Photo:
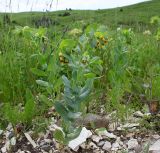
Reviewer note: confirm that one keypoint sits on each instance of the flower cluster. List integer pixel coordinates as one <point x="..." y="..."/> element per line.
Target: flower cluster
<point x="62" y="59"/>
<point x="101" y="42"/>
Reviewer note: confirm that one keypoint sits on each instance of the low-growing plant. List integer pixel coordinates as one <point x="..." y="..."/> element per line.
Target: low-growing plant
<point x="72" y="105"/>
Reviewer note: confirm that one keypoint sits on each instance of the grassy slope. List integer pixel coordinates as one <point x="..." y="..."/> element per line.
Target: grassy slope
<point x="138" y="14"/>
<point x="12" y="62"/>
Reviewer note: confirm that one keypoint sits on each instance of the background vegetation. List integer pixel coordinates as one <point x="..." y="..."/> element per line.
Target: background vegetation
<point x="78" y="62"/>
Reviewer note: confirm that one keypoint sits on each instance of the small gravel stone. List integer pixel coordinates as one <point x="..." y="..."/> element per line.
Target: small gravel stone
<point x="101" y="143"/>
<point x="4" y="149"/>
<point x="13" y="141"/>
<point x="10" y="135"/>
<point x="43" y="143"/>
<point x="96" y="138"/>
<point x="46" y="147"/>
<point x="107" y="146"/>
<point x="48" y="141"/>
<point x="1" y="132"/>
<point x="9" y="127"/>
<point x="115" y="146"/>
<point x="83" y="145"/>
<point x="138" y="114"/>
<point x="132" y="143"/>
<point x="156" y="136"/>
<point x="155" y="148"/>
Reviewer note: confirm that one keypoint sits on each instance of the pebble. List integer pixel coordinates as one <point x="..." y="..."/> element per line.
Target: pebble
<point x="101" y="143"/>
<point x="106" y="134"/>
<point x="46" y="147"/>
<point x="138" y="114"/>
<point x="138" y="149"/>
<point x="9" y="127"/>
<point x="130" y="125"/>
<point x="42" y="143"/>
<point x="4" y="149"/>
<point x="83" y="145"/>
<point x="107" y="146"/>
<point x="132" y="143"/>
<point x="48" y="141"/>
<point x="96" y="138"/>
<point x="10" y="135"/>
<point x="155" y="148"/>
<point x="115" y="146"/>
<point x="13" y="141"/>
<point x="156" y="136"/>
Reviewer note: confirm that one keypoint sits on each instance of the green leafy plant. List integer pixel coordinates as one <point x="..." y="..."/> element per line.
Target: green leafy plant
<point x="70" y="108"/>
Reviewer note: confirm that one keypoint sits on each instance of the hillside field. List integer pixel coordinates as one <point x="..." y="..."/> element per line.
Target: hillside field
<point x="57" y="68"/>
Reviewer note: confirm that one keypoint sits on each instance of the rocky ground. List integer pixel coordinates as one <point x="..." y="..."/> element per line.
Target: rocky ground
<point x="128" y="137"/>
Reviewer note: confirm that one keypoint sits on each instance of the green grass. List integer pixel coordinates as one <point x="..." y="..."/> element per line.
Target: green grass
<point x="134" y="15"/>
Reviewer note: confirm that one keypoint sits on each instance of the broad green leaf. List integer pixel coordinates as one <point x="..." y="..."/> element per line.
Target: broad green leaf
<point x="99" y="130"/>
<point x="59" y="136"/>
<point x="84" y="95"/>
<point x="96" y="60"/>
<point x="45" y="100"/>
<point x="74" y="75"/>
<point x="91" y="29"/>
<point x="90" y="75"/>
<point x="42" y="83"/>
<point x="61" y="109"/>
<point x="88" y="85"/>
<point x="29" y="95"/>
<point x="66" y="81"/>
<point x="67" y="44"/>
<point x="38" y="72"/>
<point x="73" y="135"/>
<point x="72" y="115"/>
<point x="83" y="40"/>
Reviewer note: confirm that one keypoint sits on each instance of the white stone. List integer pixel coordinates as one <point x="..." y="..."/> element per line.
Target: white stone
<point x="119" y="129"/>
<point x="132" y="143"/>
<point x="32" y="142"/>
<point x="138" y="148"/>
<point x="155" y="147"/>
<point x="138" y="114"/>
<point x="114" y="149"/>
<point x="75" y="143"/>
<point x="4" y="149"/>
<point x="96" y="138"/>
<point x="156" y="136"/>
<point x="83" y="145"/>
<point x="48" y="140"/>
<point x="9" y="127"/>
<point x="106" y="133"/>
<point x="130" y="125"/>
<point x="107" y="146"/>
<point x="111" y="127"/>
<point x="121" y="143"/>
<point x="115" y="145"/>
<point x="101" y="143"/>
<point x="54" y="127"/>
<point x="13" y="141"/>
<point x="1" y="132"/>
<point x="118" y="139"/>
